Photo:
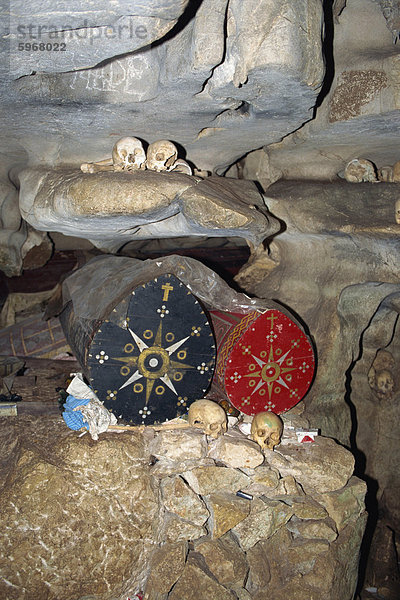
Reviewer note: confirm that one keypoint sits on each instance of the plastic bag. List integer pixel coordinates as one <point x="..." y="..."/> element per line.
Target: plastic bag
<point x="94" y="288"/>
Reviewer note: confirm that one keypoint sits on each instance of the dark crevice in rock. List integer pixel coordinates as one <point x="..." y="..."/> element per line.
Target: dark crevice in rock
<point x="188" y="15"/>
<point x="371" y="506"/>
<point x="327" y="50"/>
<point x="224" y="52"/>
<point x="371" y="501"/>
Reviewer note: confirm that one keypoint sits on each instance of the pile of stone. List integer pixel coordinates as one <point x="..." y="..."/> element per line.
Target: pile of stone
<point x="159" y="513"/>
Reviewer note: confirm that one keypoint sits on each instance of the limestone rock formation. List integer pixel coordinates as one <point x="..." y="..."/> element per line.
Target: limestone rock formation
<point x="232" y="452"/>
<point x="85" y="519"/>
<point x="87" y="37"/>
<point x="358" y="112"/>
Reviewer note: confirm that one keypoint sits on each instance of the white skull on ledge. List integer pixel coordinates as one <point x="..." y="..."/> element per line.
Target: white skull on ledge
<point x="266" y="430"/>
<point x="161" y="155"/>
<point x="208" y="416"/>
<point x="128" y="154"/>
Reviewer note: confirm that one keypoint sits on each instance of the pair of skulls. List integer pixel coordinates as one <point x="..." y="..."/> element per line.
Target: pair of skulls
<point x="361" y="170"/>
<point x="128" y="155"/>
<point x="211" y="418"/>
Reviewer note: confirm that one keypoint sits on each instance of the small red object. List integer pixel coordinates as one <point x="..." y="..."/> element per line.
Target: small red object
<point x="264" y="360"/>
<point x="307" y="438"/>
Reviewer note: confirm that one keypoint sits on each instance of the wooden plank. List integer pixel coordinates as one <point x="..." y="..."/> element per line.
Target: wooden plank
<point x="38" y="408"/>
<point x="42" y="377"/>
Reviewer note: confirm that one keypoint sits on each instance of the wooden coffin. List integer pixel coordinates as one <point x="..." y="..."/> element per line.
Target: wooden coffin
<point x="264" y="360"/>
<point x="151" y="356"/>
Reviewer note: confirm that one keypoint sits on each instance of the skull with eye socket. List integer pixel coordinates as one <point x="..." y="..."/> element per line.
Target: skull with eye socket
<point x="209" y="417"/>
<point x="128" y="154"/>
<point x="161" y="156"/>
<point x="266" y="430"/>
<point x="384" y="384"/>
<point x="381" y="375"/>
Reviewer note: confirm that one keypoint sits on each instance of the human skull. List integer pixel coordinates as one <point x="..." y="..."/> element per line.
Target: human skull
<point x="161" y="155"/>
<point x="384" y="384"/>
<point x="209" y="417"/>
<point x="360" y="170"/>
<point x="128" y="154"/>
<point x="397" y="212"/>
<point x="266" y="430"/>
<point x="386" y="174"/>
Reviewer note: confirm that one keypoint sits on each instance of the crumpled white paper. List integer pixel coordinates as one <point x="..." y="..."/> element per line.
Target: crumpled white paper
<point x="94" y="413"/>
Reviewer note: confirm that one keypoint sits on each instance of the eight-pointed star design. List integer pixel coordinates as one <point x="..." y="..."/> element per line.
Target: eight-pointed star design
<point x="270" y="372"/>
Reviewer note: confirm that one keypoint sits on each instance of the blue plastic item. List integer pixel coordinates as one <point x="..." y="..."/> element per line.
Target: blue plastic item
<point x="74" y="419"/>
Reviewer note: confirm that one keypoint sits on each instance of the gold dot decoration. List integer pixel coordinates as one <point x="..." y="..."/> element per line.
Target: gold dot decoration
<point x="138" y="388"/>
<point x="148" y="334"/>
<point x="169" y="337"/>
<point x="124" y="370"/>
<point x="252" y="382"/>
<point x="181" y="354"/>
<point x="252" y="367"/>
<point x="129" y="348"/>
<point x="160" y="389"/>
<point x="178" y="376"/>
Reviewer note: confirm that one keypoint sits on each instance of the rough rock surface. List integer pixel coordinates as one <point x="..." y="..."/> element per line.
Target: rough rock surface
<point x="345" y="503"/>
<point x="226" y="561"/>
<point x="70" y="506"/>
<point x="166" y="566"/>
<point x="322" y="466"/>
<point x="179" y="498"/>
<point x="212" y="85"/>
<point x="206" y="480"/>
<point x="265" y="518"/>
<point x="232" y="452"/>
<point x="73" y="507"/>
<point x="226" y="511"/>
<point x="359" y="116"/>
<point x="196" y="584"/>
<point x="178" y="445"/>
<point x="176" y="529"/>
<point x="90" y="36"/>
